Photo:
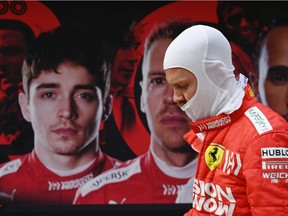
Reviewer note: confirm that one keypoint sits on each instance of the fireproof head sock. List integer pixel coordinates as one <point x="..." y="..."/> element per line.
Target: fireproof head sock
<point x="205" y="52"/>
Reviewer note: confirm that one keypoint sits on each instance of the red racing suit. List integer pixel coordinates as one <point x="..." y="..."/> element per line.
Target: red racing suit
<point x="243" y="162"/>
<point x="137" y="181"/>
<point x="28" y="181"/>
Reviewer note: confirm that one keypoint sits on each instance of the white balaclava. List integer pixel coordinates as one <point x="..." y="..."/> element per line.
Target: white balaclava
<point x="205" y="52"/>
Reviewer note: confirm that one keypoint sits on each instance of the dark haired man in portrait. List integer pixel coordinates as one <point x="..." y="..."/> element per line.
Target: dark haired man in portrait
<point x="66" y="83"/>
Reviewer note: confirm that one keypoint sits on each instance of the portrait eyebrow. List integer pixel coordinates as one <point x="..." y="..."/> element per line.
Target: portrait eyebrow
<point x="279" y="69"/>
<point x="47" y="85"/>
<point x="278" y="72"/>
<point x="86" y="87"/>
<point x="157" y="73"/>
<point x="56" y="85"/>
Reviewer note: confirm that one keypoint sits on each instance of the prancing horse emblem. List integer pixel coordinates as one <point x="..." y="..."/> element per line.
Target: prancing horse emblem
<point x="213" y="155"/>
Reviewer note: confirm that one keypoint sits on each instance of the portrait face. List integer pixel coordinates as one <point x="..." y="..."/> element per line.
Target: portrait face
<point x="65" y="109"/>
<point x="273" y="71"/>
<point x="123" y="67"/>
<point x="241" y="20"/>
<point x="167" y="122"/>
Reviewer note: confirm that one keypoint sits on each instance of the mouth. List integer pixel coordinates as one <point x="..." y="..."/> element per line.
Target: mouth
<point x="65" y="131"/>
<point x="175" y="121"/>
<point x="246" y="30"/>
<point x="126" y="70"/>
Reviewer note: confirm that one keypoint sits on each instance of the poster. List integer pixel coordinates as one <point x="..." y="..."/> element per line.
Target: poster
<point x="108" y="18"/>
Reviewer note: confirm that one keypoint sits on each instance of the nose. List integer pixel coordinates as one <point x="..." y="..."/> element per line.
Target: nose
<point x="178" y="98"/>
<point x="132" y="55"/>
<point x="244" y="22"/>
<point x="168" y="95"/>
<point x="67" y="109"/>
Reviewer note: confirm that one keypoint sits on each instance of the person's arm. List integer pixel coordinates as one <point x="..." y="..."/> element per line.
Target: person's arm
<point x="265" y="169"/>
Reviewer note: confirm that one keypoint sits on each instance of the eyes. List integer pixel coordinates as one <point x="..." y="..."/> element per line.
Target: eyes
<point x="235" y="19"/>
<point x="47" y="95"/>
<point x="156" y="81"/>
<point x="87" y="96"/>
<point x="161" y="81"/>
<point x="278" y="75"/>
<point x="78" y="96"/>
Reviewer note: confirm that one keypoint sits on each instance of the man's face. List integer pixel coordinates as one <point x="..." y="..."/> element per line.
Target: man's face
<point x="273" y="71"/>
<point x="12" y="53"/>
<point x="167" y="122"/>
<point x="65" y="109"/>
<point x="184" y="84"/>
<point x="123" y="67"/>
<point x="238" y="19"/>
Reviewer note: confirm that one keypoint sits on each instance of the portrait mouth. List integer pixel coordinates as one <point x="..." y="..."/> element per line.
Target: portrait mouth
<point x="127" y="71"/>
<point x="66" y="132"/>
<point x="175" y="120"/>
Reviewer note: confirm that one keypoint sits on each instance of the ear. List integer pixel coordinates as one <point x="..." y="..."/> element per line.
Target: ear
<point x="107" y="108"/>
<point x="24" y="104"/>
<point x="254" y="83"/>
<point x="142" y="104"/>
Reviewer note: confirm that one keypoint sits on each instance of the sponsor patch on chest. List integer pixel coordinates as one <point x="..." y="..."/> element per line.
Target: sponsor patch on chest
<point x="117" y="175"/>
<point x="259" y="120"/>
<point x="275" y="164"/>
<point x="69" y="184"/>
<point x="213" y="198"/>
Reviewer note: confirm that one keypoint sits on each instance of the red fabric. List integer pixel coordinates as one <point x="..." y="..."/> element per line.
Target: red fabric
<point x="134" y="182"/>
<point x="243" y="180"/>
<point x="27" y="181"/>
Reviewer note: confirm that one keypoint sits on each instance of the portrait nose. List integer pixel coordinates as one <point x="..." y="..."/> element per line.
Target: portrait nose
<point x="168" y="95"/>
<point x="244" y="22"/>
<point x="132" y="55"/>
<point x="67" y="109"/>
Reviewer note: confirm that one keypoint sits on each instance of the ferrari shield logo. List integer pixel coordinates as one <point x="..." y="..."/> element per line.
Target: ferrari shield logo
<point x="213" y="155"/>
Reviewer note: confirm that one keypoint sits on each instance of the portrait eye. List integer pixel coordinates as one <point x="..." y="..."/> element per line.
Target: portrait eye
<point x="278" y="75"/>
<point x="47" y="95"/>
<point x="234" y="20"/>
<point x="87" y="96"/>
<point x="158" y="81"/>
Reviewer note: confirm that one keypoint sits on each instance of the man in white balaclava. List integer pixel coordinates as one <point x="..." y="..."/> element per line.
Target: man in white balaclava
<point x="239" y="136"/>
<point x="208" y="56"/>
